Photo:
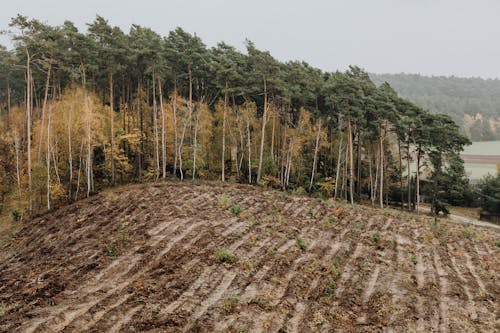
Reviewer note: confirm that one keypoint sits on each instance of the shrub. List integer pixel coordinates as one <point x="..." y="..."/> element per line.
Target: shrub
<point x="224" y="255"/>
<point x="236" y="209"/>
<point x="301" y="243"/>
<point x="16" y="215"/>
<point x="376" y="238"/>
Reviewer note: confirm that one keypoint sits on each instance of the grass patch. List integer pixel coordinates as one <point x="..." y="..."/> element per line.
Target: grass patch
<point x="231" y="303"/>
<point x="497" y="243"/>
<point x="413" y="259"/>
<point x="223" y="255"/>
<point x="301" y="243"/>
<point x="376" y="237"/>
<point x="223" y="200"/>
<point x="236" y="209"/>
<point x="468" y="233"/>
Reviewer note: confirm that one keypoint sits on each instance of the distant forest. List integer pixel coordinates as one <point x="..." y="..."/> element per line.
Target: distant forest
<point x="473" y="103"/>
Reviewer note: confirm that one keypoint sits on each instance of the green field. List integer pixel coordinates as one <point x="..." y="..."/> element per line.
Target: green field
<point x="479" y="170"/>
<point x="483" y="148"/>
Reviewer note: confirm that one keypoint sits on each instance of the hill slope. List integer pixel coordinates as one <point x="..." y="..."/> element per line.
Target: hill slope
<point x="141" y="258"/>
<point x="473" y="103"/>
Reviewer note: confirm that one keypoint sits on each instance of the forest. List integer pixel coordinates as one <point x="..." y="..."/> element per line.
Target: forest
<point x="473" y="103"/>
<point x="80" y="112"/>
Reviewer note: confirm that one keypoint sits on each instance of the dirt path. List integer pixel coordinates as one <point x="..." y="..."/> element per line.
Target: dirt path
<point x="141" y="258"/>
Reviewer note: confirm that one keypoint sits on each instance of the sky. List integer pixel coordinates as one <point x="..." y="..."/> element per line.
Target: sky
<point x="429" y="37"/>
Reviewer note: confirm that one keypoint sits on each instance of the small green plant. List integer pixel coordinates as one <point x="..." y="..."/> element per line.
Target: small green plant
<point x="468" y="233"/>
<point x="376" y="237"/>
<point x="236" y="209"/>
<point x="387" y="212"/>
<point x="112" y="250"/>
<point x="332" y="315"/>
<point x="243" y="330"/>
<point x="497" y="243"/>
<point x="330" y="287"/>
<point x="311" y="213"/>
<point x="222" y="255"/>
<point x="334" y="268"/>
<point x="413" y="259"/>
<point x="223" y="200"/>
<point x="328" y="220"/>
<point x="301" y="243"/>
<point x="231" y="302"/>
<point x="16" y="215"/>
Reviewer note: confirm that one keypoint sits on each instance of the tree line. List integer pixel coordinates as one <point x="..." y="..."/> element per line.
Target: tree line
<point x="83" y="111"/>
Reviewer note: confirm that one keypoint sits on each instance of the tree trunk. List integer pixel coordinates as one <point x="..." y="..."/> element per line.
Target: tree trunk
<point x="223" y="159"/>
<point x="381" y="194"/>
<point x="417" y="182"/>
<point x="409" y="173"/>
<point x="195" y="143"/>
<point x="17" y="148"/>
<point x="163" y="138"/>
<point x="48" y="156"/>
<point x="89" y="145"/>
<point x="29" y="101"/>
<point x="337" y="171"/>
<point x="155" y="125"/>
<point x="112" y="127"/>
<point x="263" y="133"/>
<point x="249" y="146"/>
<point x="174" y="108"/>
<point x="70" y="152"/>
<point x="44" y="106"/>
<point x="351" y="160"/>
<point x="400" y="173"/>
<point x="315" y="159"/>
<point x="358" y="150"/>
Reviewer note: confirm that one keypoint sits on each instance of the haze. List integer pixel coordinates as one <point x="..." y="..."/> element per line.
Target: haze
<point x="430" y="37"/>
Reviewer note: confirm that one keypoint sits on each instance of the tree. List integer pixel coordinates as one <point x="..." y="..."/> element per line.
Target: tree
<point x="265" y="68"/>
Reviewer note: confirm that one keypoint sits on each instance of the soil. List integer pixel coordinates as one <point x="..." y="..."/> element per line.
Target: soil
<point x="141" y="259"/>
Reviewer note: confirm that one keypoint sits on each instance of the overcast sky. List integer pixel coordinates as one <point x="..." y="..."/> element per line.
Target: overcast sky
<point x="431" y="37"/>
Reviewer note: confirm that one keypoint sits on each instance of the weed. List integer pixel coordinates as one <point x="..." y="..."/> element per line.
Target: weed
<point x="224" y="255"/>
<point x="112" y="250"/>
<point x="391" y="244"/>
<point x="273" y="250"/>
<point x="319" y="319"/>
<point x="376" y="237"/>
<point x="311" y="214"/>
<point x="330" y="287"/>
<point x="223" y="200"/>
<point x="301" y="243"/>
<point x="243" y="330"/>
<point x="328" y="220"/>
<point x="314" y="265"/>
<point x="236" y="209"/>
<point x="497" y="243"/>
<point x="332" y="315"/>
<point x="356" y="227"/>
<point x="387" y="212"/>
<point x="16" y="215"/>
<point x="231" y="302"/>
<point x="413" y="259"/>
<point x="334" y="269"/>
<point x="468" y="233"/>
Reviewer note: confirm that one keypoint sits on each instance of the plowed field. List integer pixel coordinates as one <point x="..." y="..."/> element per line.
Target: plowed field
<point x="143" y="259"/>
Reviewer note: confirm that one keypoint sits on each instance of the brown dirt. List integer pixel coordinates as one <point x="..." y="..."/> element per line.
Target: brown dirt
<point x="141" y="259"/>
